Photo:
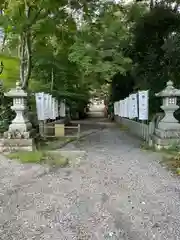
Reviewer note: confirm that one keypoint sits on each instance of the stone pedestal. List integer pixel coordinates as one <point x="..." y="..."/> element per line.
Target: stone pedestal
<point x="13" y="144"/>
<point x="166" y="138"/>
<point x="167" y="133"/>
<point x="19" y="134"/>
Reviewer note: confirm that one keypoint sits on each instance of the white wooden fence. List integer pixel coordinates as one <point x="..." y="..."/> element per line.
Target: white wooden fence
<point x="134" y="107"/>
<point x="139" y="129"/>
<point x="48" y="107"/>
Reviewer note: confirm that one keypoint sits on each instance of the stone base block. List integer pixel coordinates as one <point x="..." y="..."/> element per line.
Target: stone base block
<point x="10" y="145"/>
<point x="167" y="134"/>
<point x="160" y="143"/>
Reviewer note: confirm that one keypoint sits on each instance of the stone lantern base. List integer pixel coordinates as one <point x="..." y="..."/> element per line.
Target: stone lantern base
<point x="166" y="138"/>
<point x="10" y="145"/>
<point x="17" y="141"/>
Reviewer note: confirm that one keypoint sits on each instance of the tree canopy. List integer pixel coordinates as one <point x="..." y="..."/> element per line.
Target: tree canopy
<point x="74" y="48"/>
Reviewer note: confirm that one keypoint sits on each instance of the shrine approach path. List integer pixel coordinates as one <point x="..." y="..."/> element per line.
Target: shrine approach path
<point x="118" y="191"/>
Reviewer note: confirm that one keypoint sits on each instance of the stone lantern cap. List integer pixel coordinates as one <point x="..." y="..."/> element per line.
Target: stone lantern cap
<point x="16" y="92"/>
<point x="169" y="91"/>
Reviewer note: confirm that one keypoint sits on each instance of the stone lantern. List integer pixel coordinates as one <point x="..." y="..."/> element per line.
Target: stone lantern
<point x="20" y="126"/>
<point x="167" y="132"/>
<point x="169" y="96"/>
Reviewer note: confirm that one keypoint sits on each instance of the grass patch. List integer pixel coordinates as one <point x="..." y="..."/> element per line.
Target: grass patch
<point x="172" y="163"/>
<point x="123" y="127"/>
<point x="171" y="150"/>
<point x="170" y="159"/>
<point x="174" y="149"/>
<point x="145" y="146"/>
<point x="39" y="157"/>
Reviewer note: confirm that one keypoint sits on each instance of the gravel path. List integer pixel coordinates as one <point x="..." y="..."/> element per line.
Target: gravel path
<point x="118" y="192"/>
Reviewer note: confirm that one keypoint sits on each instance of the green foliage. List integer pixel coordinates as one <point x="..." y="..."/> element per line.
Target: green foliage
<point x="10" y="72"/>
<point x="98" y="49"/>
<point x="152" y="68"/>
<point x="153" y="48"/>
<point x="113" y="49"/>
<point x="8" y="78"/>
<point x="51" y="29"/>
<point x="171" y="49"/>
<point x="6" y="114"/>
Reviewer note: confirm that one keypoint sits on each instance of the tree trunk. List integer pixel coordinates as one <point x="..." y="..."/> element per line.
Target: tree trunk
<point x="22" y="58"/>
<point x="28" y="59"/>
<point x="4" y="42"/>
<point x="25" y="52"/>
<point x="52" y="79"/>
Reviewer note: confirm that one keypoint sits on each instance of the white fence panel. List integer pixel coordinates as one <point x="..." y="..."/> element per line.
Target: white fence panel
<point x="138" y="129"/>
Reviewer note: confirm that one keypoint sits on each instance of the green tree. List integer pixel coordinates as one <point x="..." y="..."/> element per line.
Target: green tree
<point x="98" y="49"/>
<point x="23" y="23"/>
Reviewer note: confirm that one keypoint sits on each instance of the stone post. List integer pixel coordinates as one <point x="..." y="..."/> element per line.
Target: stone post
<point x="167" y="132"/>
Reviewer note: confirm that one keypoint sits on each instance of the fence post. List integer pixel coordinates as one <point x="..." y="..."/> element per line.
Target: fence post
<point x="143" y="129"/>
<point x="142" y="132"/>
<point x="79" y="132"/>
<point x="41" y="128"/>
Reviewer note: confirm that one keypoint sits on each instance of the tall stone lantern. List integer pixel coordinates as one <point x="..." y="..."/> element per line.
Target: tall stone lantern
<point x="20" y="126"/>
<point x="169" y="106"/>
<point x="18" y="136"/>
<point x="168" y="129"/>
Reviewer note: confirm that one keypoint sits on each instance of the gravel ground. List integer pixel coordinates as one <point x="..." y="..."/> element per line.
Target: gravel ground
<point x="118" y="192"/>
